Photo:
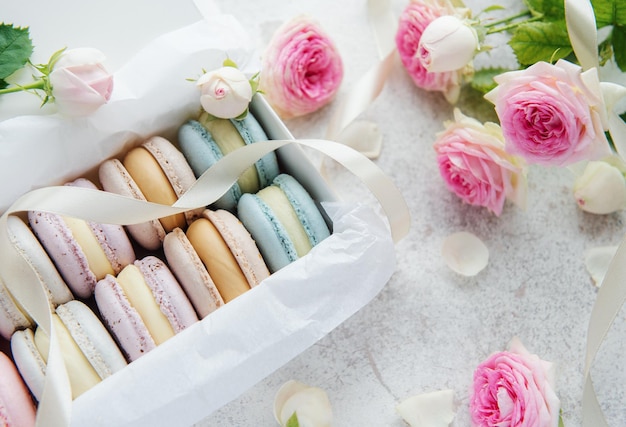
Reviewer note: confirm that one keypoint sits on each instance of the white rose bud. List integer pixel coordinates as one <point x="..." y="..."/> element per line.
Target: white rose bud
<point x="80" y="83"/>
<point x="226" y="92"/>
<point x="447" y="44"/>
<point x="601" y="189"/>
<point x="310" y="404"/>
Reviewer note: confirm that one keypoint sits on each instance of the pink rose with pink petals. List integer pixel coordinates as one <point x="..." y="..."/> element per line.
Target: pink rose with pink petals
<point x="301" y="70"/>
<point x="514" y="389"/>
<point x="474" y="165"/>
<point x="552" y="115"/>
<point x="413" y="21"/>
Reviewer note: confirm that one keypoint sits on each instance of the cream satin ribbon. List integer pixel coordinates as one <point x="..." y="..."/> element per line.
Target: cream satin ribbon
<point x="102" y="207"/>
<point x="611" y="296"/>
<point x="342" y="126"/>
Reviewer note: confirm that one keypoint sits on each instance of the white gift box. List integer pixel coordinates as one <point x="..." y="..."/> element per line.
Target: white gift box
<point x="217" y="359"/>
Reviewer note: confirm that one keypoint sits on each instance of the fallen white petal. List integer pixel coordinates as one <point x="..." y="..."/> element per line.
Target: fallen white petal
<point x="465" y="253"/>
<point x="311" y="404"/>
<point x="287" y="390"/>
<point x="364" y="137"/>
<point x="597" y="262"/>
<point x="435" y="409"/>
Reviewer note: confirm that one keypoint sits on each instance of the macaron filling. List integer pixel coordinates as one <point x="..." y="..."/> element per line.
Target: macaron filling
<point x="97" y="259"/>
<point x="228" y="140"/>
<point x="140" y="297"/>
<point x="276" y="199"/>
<point x="218" y="259"/>
<point x="81" y="374"/>
<point x="153" y="183"/>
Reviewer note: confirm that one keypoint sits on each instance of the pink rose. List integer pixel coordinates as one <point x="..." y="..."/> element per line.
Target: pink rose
<point x="514" y="389"/>
<point x="413" y="21"/>
<point x="301" y="70"/>
<point x="552" y="115"/>
<point x="474" y="165"/>
<point x="80" y="83"/>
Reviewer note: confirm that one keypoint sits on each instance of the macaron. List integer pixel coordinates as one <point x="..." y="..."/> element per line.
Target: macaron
<point x="83" y="252"/>
<point x="215" y="261"/>
<point x="284" y="221"/>
<point x="12" y="314"/>
<point x="89" y="352"/>
<point x="155" y="171"/>
<point x="17" y="408"/>
<point x="205" y="141"/>
<point x="143" y="306"/>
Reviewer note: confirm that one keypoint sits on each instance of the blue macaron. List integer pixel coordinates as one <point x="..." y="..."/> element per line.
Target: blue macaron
<point x="281" y="241"/>
<point x="202" y="151"/>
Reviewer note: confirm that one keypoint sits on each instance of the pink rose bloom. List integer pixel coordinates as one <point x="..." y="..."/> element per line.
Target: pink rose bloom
<point x="301" y="70"/>
<point x="552" y="115"/>
<point x="80" y="83"/>
<point x="514" y="389"/>
<point x="413" y="21"/>
<point x="474" y="165"/>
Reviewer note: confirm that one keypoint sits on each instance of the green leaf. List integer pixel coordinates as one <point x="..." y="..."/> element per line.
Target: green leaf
<point x="15" y="49"/>
<point x="551" y="10"/>
<point x="540" y="41"/>
<point x="3" y="84"/>
<point x="493" y="8"/>
<point x="609" y="12"/>
<point x="293" y="421"/>
<point x="483" y="78"/>
<point x="229" y="63"/>
<point x="605" y="51"/>
<point x="619" y="46"/>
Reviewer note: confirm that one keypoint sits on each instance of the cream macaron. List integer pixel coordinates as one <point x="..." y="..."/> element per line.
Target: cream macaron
<point x="89" y="352"/>
<point x="155" y="171"/>
<point x="12" y="314"/>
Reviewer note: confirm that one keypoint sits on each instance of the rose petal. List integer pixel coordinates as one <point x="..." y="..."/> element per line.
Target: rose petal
<point x="287" y="390"/>
<point x="310" y="403"/>
<point x="364" y="137"/>
<point x="465" y="253"/>
<point x="435" y="409"/>
<point x="597" y="262"/>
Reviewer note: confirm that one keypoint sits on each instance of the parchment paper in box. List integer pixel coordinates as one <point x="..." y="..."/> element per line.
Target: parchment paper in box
<point x="217" y="359"/>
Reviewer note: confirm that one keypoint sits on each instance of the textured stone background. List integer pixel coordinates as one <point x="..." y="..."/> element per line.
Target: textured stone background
<point x="429" y="327"/>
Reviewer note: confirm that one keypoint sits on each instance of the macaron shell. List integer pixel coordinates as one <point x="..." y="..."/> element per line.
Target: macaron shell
<point x="16" y="406"/>
<point x="122" y="319"/>
<point x="191" y="273"/>
<point x="92" y="338"/>
<point x="112" y="238"/>
<point x="12" y="317"/>
<point x="305" y="207"/>
<point x="176" y="168"/>
<point x="81" y="374"/>
<point x="201" y="152"/>
<point x="115" y="178"/>
<point x="167" y="292"/>
<point x="28" y="360"/>
<point x="251" y="131"/>
<point x="218" y="259"/>
<point x="28" y="245"/>
<point x="268" y="233"/>
<point x="63" y="249"/>
<point x="241" y="245"/>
